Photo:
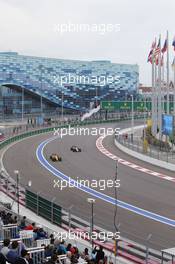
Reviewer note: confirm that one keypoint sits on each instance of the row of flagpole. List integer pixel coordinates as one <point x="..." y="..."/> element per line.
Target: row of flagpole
<point x="156" y="58"/>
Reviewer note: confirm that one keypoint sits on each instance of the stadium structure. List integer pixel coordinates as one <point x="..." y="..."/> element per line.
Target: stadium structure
<point x="46" y="84"/>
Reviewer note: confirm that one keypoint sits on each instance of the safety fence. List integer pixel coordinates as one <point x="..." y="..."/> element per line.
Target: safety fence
<point x="137" y="144"/>
<point x="9" y="231"/>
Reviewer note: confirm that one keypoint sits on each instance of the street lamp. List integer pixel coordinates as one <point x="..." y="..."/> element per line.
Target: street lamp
<point x="62" y="104"/>
<point x="91" y="201"/>
<point x="132" y="118"/>
<point x="16" y="172"/>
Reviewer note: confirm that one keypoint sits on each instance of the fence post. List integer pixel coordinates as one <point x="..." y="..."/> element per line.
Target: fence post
<point x="147" y="247"/>
<point x="52" y="209"/>
<point x="69" y="216"/>
<point x="37" y="202"/>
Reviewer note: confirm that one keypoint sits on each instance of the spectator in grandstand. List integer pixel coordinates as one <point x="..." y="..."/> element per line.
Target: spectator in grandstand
<point x="15" y="220"/>
<point x="76" y="253"/>
<point x="24" y="259"/>
<point x="68" y="259"/>
<point x="13" y="253"/>
<point x="31" y="227"/>
<point x="52" y="239"/>
<point x="23" y="222"/>
<point x="53" y="259"/>
<point x="61" y="249"/>
<point x="105" y="261"/>
<point x="6" y="218"/>
<point x="40" y="234"/>
<point x="2" y="259"/>
<point x="5" y="249"/>
<point x="73" y="259"/>
<point x="85" y="255"/>
<point x="48" y="251"/>
<point x="100" y="254"/>
<point x="70" y="248"/>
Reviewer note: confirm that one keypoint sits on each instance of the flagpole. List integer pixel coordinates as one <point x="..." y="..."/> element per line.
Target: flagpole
<point x="153" y="95"/>
<point x="155" y="102"/>
<point x="168" y="107"/>
<point x="159" y="94"/>
<point x="174" y="86"/>
<point x="162" y="89"/>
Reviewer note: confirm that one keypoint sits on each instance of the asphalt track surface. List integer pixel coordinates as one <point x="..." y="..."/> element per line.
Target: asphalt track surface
<point x="137" y="188"/>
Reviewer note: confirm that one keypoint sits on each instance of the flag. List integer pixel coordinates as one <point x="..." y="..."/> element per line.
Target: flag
<point x="157" y="49"/>
<point x="151" y="52"/>
<point x="164" y="49"/>
<point x="150" y="56"/>
<point x="173" y="44"/>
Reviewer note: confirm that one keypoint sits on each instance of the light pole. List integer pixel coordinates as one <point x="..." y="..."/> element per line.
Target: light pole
<point x="145" y="111"/>
<point x="62" y="104"/>
<point x="22" y="117"/>
<point x="96" y="93"/>
<point x="41" y="87"/>
<point x="116" y="224"/>
<point x="132" y="118"/>
<point x="91" y="201"/>
<point x="16" y="172"/>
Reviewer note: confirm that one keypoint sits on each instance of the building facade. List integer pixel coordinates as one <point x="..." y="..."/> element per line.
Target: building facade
<point x="53" y="83"/>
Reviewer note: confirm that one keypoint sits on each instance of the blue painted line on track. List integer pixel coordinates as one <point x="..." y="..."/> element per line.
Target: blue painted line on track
<point x="102" y="196"/>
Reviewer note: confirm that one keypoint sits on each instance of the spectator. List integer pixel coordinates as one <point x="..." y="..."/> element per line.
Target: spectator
<point x="2" y="259"/>
<point x="13" y="254"/>
<point x="23" y="222"/>
<point x="52" y="239"/>
<point x="62" y="248"/>
<point x="70" y="248"/>
<point x="53" y="259"/>
<point x="100" y="255"/>
<point x="41" y="234"/>
<point x="31" y="227"/>
<point x="48" y="251"/>
<point x="85" y="254"/>
<point x="15" y="220"/>
<point x="76" y="253"/>
<point x="24" y="259"/>
<point x="5" y="249"/>
<point x="68" y="260"/>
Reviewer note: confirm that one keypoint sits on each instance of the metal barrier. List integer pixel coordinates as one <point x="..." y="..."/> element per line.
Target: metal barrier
<point x="27" y="237"/>
<point x="9" y="231"/>
<point x="37" y="255"/>
<point x="40" y="242"/>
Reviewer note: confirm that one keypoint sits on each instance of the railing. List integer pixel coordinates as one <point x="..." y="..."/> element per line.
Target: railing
<point x="37" y="255"/>
<point x="137" y="144"/>
<point x="9" y="231"/>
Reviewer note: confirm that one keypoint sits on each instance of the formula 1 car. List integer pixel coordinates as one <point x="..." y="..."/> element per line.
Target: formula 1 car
<point x="55" y="157"/>
<point x="75" y="149"/>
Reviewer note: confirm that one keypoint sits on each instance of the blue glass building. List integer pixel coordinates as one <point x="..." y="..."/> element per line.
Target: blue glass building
<point x="78" y="84"/>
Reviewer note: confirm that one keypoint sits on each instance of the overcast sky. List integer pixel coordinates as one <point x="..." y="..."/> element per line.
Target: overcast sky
<point x="29" y="27"/>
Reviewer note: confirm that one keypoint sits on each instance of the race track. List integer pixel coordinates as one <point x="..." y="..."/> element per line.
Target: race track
<point x="137" y="188"/>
